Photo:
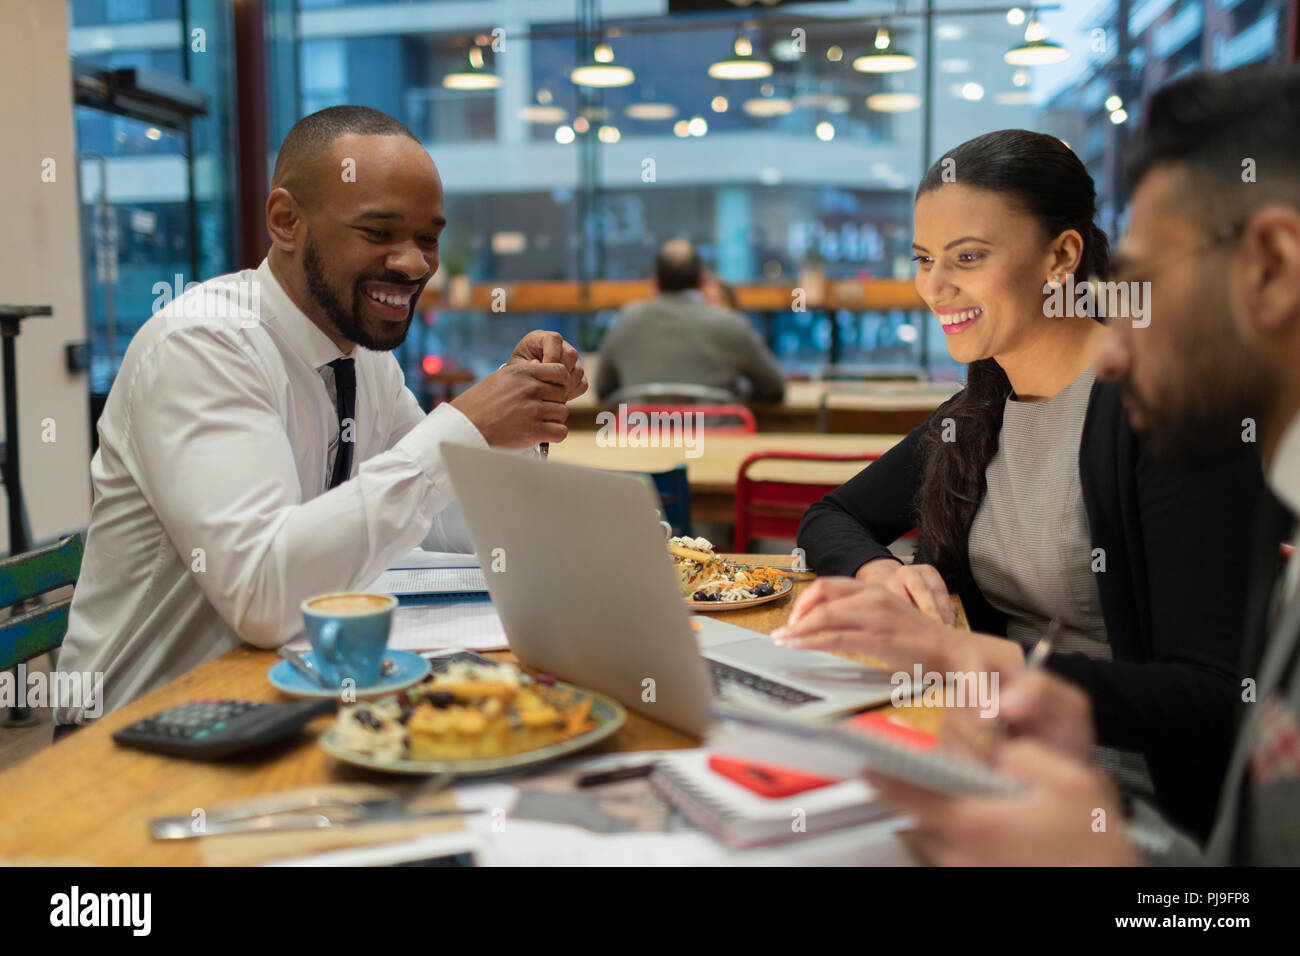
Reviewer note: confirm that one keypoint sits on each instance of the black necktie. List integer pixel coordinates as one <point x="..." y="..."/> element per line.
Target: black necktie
<point x="345" y="391"/>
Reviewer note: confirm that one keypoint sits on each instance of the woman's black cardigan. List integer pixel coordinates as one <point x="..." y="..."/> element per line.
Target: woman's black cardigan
<point x="1173" y="595"/>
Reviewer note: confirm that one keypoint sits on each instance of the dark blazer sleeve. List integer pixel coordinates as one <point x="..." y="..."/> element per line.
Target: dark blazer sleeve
<point x="857" y="521"/>
<point x="1180" y="546"/>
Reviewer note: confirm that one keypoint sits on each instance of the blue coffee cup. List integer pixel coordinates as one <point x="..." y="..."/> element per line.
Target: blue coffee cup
<point x="349" y="634"/>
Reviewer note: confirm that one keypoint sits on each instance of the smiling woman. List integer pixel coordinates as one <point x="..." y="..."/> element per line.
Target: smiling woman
<point x="1036" y="499"/>
<point x="1031" y="203"/>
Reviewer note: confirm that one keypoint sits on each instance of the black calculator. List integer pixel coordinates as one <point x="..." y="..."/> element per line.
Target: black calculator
<point x="210" y="729"/>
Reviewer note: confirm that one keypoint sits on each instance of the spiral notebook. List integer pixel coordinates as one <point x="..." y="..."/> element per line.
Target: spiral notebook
<point x="741" y="818"/>
<point x="842" y="754"/>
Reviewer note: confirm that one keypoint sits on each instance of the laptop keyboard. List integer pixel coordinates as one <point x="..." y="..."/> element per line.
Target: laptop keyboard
<point x="735" y="686"/>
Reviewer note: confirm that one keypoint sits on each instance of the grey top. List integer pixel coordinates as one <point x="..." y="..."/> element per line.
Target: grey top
<point x="1031" y="545"/>
<point x="678" y="337"/>
<point x="1030" y="542"/>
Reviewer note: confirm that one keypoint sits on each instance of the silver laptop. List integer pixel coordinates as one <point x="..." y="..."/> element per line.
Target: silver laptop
<point x="576" y="566"/>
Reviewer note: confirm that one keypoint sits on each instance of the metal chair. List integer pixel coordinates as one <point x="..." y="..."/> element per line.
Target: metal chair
<point x="32" y="631"/>
<point x="716" y="419"/>
<point x="836" y="411"/>
<point x="670" y="393"/>
<point x="773" y="509"/>
<point x="872" y="373"/>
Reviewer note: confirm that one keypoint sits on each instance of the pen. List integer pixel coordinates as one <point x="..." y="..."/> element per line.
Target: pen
<point x="1038" y="656"/>
<point x="1035" y="660"/>
<point x="615" y="775"/>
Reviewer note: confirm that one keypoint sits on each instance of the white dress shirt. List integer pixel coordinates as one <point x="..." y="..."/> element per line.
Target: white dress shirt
<point x="212" y="520"/>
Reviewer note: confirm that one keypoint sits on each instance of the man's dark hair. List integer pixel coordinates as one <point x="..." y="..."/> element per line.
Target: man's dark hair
<point x="1211" y="124"/>
<point x="677" y="266"/>
<point x="313" y="135"/>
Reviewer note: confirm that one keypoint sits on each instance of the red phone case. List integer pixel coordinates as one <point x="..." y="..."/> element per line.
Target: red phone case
<point x="765" y="779"/>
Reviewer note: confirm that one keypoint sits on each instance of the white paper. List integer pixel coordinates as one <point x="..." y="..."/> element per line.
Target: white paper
<point x="462" y="622"/>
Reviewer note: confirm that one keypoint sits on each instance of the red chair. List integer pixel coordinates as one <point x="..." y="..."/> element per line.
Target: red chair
<point x="717" y="420"/>
<point x="773" y="509"/>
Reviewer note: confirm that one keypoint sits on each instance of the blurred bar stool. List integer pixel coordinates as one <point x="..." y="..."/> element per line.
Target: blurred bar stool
<point x="11" y="317"/>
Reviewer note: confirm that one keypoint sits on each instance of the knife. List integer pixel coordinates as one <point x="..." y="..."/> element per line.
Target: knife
<point x="298" y="813"/>
<point x="182" y="828"/>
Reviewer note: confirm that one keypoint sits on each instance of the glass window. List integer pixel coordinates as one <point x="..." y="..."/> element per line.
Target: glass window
<point x="805" y="174"/>
<point x="157" y="208"/>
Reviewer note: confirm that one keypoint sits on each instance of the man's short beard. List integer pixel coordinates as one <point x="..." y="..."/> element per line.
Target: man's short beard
<point x="349" y="322"/>
<point x="1226" y="386"/>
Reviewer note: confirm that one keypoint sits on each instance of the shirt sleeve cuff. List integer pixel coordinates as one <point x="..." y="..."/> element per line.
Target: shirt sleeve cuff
<point x="445" y="423"/>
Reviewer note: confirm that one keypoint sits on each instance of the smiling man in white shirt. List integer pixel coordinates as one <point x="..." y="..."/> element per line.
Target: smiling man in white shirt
<point x="260" y="445"/>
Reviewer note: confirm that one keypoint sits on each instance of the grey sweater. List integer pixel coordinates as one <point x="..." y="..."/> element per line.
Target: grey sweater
<point x="678" y="337"/>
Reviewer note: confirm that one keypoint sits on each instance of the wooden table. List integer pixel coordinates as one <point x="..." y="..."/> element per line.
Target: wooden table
<point x="713" y="473"/>
<point x="87" y="800"/>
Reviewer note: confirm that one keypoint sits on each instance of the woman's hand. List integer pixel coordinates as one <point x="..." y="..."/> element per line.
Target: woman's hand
<point x="844" y="614"/>
<point x="919" y="583"/>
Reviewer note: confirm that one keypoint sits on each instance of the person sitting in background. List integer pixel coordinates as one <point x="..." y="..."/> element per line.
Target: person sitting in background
<point x="1035" y="498"/>
<point x="1215" y="370"/>
<point x="252" y="455"/>
<point x="679" y="337"/>
<point x="719" y="294"/>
